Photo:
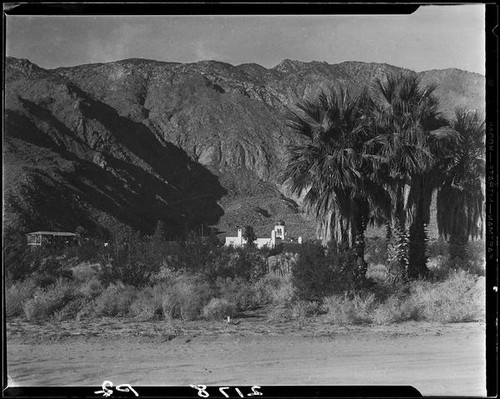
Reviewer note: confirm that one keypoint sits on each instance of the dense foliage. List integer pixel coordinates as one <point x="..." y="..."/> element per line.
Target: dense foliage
<point x="379" y="157"/>
<point x="370" y="157"/>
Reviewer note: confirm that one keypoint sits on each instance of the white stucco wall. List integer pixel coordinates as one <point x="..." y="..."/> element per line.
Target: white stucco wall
<point x="277" y="232"/>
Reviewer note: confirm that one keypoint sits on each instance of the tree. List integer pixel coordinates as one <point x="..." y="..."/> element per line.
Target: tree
<point x="249" y="235"/>
<point x="460" y="198"/>
<point x="131" y="259"/>
<point x="332" y="169"/>
<point x="407" y="127"/>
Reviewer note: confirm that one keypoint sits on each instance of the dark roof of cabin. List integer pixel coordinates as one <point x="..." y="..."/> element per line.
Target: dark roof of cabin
<point x="53" y="233"/>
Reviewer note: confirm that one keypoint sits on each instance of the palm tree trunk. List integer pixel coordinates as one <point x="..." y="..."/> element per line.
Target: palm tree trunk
<point x="417" y="267"/>
<point x="358" y="239"/>
<point x="401" y="239"/>
<point x="397" y="251"/>
<point x="388" y="231"/>
<point x="359" y="250"/>
<point x="457" y="244"/>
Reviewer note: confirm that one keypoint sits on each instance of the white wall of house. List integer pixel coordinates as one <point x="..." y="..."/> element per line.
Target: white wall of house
<point x="236" y="241"/>
<point x="277" y="232"/>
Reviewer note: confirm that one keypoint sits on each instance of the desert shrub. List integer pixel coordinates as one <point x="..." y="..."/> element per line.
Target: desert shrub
<point x="71" y="309"/>
<point x="43" y="264"/>
<point x="376" y="250"/>
<point x="210" y="258"/>
<point x="347" y="309"/>
<point x="294" y="310"/>
<point x="17" y="257"/>
<point x="91" y="288"/>
<point x="89" y="250"/>
<point x="273" y="289"/>
<point x="131" y="260"/>
<point x="303" y="309"/>
<point x="438" y="266"/>
<point x="383" y="289"/>
<point x="395" y="310"/>
<point x="282" y="263"/>
<point x="282" y="291"/>
<point x="377" y="272"/>
<point x="441" y="264"/>
<point x="238" y="292"/>
<point x="148" y="304"/>
<point x="196" y="255"/>
<point x="436" y="248"/>
<point x="469" y="264"/>
<point x="246" y="263"/>
<point x="46" y="301"/>
<point x="442" y="267"/>
<point x="312" y="275"/>
<point x="16" y="295"/>
<point x="276" y="250"/>
<point x="189" y="256"/>
<point x="280" y="313"/>
<point x="21" y="260"/>
<point x="459" y="298"/>
<point x="319" y="273"/>
<point x="187" y="297"/>
<point x="476" y="250"/>
<point x="47" y="270"/>
<point x="261" y="292"/>
<point x="115" y="300"/>
<point x="476" y="266"/>
<point x="86" y="271"/>
<point x="87" y="310"/>
<point x="218" y="309"/>
<point x="165" y="275"/>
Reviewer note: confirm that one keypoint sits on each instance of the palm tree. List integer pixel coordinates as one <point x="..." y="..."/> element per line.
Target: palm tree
<point x="460" y="199"/>
<point x="407" y="128"/>
<point x="332" y="169"/>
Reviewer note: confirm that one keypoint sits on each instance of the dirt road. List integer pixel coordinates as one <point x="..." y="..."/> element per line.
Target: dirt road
<point x="435" y="359"/>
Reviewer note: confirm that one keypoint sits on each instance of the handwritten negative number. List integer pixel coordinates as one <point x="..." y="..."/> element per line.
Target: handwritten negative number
<point x="202" y="391"/>
<point x="107" y="391"/>
<point x="255" y="392"/>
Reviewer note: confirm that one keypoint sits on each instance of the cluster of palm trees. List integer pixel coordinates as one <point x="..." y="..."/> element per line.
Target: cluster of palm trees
<point x="378" y="156"/>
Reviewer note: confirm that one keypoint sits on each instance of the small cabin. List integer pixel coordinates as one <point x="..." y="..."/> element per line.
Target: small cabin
<point x="52" y="239"/>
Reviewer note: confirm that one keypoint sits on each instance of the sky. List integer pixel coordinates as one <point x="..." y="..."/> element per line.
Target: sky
<point x="434" y="37"/>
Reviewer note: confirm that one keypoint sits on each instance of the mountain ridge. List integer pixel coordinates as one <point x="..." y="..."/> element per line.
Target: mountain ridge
<point x="207" y="129"/>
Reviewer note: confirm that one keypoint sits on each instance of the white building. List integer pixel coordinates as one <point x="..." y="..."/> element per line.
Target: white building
<point x="278" y="233"/>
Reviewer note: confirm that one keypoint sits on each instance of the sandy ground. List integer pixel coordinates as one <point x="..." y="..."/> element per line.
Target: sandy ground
<point x="437" y="359"/>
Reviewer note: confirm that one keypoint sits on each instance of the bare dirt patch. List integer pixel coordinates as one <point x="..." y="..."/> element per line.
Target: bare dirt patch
<point x="437" y="359"/>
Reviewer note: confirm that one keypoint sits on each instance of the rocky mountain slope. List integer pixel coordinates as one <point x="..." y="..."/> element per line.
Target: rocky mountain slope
<point x="136" y="141"/>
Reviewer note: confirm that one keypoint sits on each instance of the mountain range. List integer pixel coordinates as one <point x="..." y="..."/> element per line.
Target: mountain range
<point x="199" y="146"/>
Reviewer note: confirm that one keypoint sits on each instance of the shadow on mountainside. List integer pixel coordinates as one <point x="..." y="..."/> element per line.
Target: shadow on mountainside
<point x="158" y="181"/>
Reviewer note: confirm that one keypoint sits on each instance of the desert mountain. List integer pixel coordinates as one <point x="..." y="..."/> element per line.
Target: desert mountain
<point x="136" y="141"/>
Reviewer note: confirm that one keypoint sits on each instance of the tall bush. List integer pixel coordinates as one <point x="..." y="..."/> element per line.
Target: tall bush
<point x="46" y="301"/>
<point x="115" y="300"/>
<point x="187" y="297"/>
<point x="16" y="295"/>
<point x="131" y="260"/>
<point x="148" y="305"/>
<point x="321" y="272"/>
<point x="312" y="275"/>
<point x="17" y="256"/>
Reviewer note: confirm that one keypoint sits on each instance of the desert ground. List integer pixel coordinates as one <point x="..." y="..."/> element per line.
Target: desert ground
<point x="437" y="359"/>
